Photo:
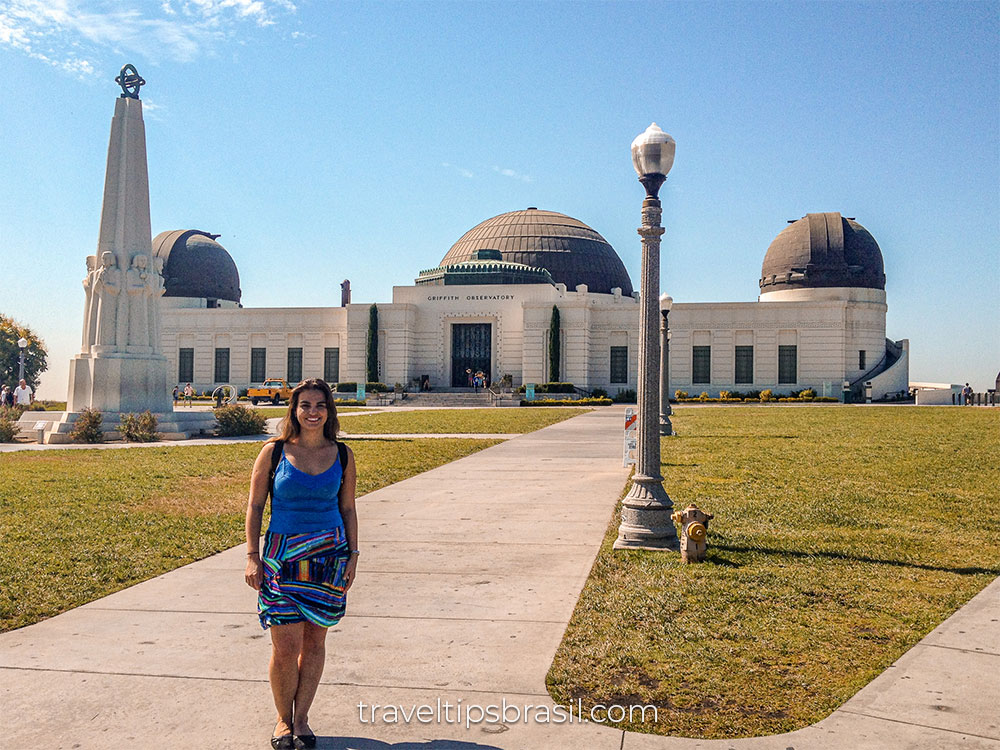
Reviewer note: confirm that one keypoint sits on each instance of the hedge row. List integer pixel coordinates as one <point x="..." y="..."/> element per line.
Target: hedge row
<point x="568" y="402"/>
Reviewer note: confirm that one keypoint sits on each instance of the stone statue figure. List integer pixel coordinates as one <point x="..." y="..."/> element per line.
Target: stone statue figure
<point x="155" y="289"/>
<point x="105" y="290"/>
<point x="138" y="302"/>
<point x="89" y="318"/>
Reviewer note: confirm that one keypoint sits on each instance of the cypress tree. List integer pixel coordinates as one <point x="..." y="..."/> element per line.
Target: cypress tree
<point x="373" y="344"/>
<point x="554" y="346"/>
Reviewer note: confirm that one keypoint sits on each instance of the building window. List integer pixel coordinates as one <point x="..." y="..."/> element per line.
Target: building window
<point x="294" y="372"/>
<point x="787" y="370"/>
<point x="258" y="364"/>
<point x="701" y="364"/>
<point x="221" y="365"/>
<point x="861" y="359"/>
<point x="619" y="364"/>
<point x="185" y="365"/>
<point x="744" y="364"/>
<point x="331" y="364"/>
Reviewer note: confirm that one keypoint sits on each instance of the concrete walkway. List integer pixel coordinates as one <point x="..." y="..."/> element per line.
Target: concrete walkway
<point x="469" y="574"/>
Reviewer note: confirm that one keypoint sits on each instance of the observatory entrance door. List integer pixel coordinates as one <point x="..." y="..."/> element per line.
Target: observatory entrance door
<point x="471" y="347"/>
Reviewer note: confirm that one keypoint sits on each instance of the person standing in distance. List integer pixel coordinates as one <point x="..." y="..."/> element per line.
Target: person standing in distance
<point x="189" y="395"/>
<point x="309" y="556"/>
<point x="23" y="395"/>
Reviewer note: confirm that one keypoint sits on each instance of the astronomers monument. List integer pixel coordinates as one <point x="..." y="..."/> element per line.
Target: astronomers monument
<point x="121" y="367"/>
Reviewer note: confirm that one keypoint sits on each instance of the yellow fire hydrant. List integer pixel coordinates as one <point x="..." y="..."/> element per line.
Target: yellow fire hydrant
<point x="694" y="529"/>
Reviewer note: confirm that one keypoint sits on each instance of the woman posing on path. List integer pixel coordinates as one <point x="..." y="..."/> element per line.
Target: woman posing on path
<point x="310" y="552"/>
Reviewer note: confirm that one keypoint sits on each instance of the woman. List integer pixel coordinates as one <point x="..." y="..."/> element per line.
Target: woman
<point x="310" y="552"/>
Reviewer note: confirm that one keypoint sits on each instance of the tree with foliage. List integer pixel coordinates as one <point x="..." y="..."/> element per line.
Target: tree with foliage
<point x="35" y="354"/>
<point x="554" y="346"/>
<point x="373" y="344"/>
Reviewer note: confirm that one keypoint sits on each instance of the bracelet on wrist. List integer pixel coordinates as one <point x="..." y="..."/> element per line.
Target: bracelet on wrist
<point x="355" y="552"/>
<point x="255" y="552"/>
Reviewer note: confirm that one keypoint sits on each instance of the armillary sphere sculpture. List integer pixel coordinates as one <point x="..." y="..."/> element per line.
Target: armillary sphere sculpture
<point x="130" y="81"/>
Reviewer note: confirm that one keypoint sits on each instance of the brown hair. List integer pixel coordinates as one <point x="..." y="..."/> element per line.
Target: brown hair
<point x="290" y="426"/>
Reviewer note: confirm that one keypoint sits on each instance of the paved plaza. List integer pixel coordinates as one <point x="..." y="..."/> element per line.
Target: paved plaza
<point x="469" y="574"/>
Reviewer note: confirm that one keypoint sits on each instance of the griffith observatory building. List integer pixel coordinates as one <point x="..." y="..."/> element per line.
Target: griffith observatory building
<point x="819" y="319"/>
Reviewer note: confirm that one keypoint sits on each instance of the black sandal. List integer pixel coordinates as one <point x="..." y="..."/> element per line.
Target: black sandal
<point x="305" y="741"/>
<point x="284" y="742"/>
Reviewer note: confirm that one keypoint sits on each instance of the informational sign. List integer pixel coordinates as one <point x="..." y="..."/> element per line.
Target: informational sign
<point x="631" y="437"/>
<point x="361" y="392"/>
<point x="529" y="392"/>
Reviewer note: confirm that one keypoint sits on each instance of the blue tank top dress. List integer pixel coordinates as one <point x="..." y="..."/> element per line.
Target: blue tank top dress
<point x="305" y="549"/>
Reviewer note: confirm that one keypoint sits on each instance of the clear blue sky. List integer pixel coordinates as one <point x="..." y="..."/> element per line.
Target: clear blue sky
<point x="327" y="141"/>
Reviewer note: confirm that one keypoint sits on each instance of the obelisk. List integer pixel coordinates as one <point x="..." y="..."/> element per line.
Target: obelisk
<point x="120" y="367"/>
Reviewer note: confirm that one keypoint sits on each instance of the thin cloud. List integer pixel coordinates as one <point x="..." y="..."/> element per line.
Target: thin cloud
<point x="468" y="174"/>
<point x="74" y="35"/>
<point x="514" y="175"/>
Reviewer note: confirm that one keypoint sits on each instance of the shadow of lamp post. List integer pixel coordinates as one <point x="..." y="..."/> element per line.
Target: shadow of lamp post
<point x="646" y="522"/>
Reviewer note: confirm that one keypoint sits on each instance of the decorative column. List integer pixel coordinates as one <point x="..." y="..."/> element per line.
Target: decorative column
<point x="666" y="428"/>
<point x="646" y="522"/>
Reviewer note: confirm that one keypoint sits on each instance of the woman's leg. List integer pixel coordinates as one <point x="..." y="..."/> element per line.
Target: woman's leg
<point x="283" y="671"/>
<point x="311" y="661"/>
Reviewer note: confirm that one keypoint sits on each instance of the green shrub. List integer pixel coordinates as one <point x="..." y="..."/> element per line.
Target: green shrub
<point x="767" y="395"/>
<point x="724" y="395"/>
<point x="680" y="395"/>
<point x="349" y="402"/>
<point x="624" y="396"/>
<point x="808" y="393"/>
<point x="239" y="420"/>
<point x="369" y="388"/>
<point x="8" y="425"/>
<point x="598" y="393"/>
<point x="138" y="428"/>
<point x="703" y="396"/>
<point x="551" y="388"/>
<point x="87" y="427"/>
<point x="568" y="402"/>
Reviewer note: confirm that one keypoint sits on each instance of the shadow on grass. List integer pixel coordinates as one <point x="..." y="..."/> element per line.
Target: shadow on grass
<point x="741" y="437"/>
<point x="970" y="571"/>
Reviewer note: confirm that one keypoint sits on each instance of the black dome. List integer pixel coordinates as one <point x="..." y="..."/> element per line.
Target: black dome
<point x="570" y="250"/>
<point x="823" y="250"/>
<point x="195" y="265"/>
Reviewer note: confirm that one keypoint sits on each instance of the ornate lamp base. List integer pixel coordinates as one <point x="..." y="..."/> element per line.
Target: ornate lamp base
<point x="646" y="522"/>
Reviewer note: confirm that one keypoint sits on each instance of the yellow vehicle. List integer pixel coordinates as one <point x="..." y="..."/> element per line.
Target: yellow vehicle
<point x="274" y="390"/>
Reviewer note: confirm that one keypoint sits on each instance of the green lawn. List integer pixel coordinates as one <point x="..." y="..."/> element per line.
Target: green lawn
<point x="280" y="411"/>
<point x="841" y="537"/>
<point x="467" y="421"/>
<point x="76" y="525"/>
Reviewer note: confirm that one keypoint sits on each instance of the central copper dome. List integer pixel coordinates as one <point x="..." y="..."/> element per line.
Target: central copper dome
<point x="568" y="249"/>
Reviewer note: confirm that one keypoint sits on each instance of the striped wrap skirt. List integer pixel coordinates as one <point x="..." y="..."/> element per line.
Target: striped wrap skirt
<point x="303" y="578"/>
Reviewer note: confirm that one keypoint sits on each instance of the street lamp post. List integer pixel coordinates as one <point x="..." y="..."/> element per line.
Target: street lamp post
<point x="22" y="344"/>
<point x="646" y="522"/>
<point x="666" y="428"/>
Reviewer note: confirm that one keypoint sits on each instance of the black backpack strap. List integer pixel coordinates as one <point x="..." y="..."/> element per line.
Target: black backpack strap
<point x="342" y="452"/>
<point x="279" y="446"/>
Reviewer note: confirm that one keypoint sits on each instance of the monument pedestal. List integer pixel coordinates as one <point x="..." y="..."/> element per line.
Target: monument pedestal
<point x="170" y="425"/>
<point x="119" y="382"/>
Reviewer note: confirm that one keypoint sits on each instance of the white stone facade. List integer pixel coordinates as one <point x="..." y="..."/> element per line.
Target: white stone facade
<point x="414" y="336"/>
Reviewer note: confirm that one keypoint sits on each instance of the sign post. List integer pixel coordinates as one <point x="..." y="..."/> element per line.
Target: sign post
<point x="631" y="437"/>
